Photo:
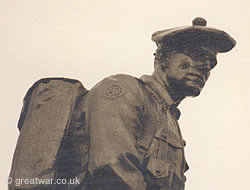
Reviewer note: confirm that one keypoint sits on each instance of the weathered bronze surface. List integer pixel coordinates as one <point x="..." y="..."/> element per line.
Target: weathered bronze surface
<point x="124" y="132"/>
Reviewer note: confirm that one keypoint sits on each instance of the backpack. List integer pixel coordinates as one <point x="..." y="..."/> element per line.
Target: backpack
<point x="53" y="140"/>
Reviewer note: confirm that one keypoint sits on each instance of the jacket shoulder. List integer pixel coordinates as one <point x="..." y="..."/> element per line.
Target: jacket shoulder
<point x="124" y="79"/>
<point x="116" y="85"/>
<point x="128" y="82"/>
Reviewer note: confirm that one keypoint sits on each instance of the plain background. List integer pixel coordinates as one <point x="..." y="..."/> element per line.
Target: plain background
<point x="89" y="40"/>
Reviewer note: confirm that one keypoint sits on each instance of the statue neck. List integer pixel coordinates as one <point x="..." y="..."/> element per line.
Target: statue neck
<point x="161" y="77"/>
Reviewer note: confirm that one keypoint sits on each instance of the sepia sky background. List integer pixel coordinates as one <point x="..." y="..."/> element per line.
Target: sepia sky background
<point x="89" y="40"/>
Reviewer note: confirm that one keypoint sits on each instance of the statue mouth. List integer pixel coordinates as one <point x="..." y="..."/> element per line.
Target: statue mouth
<point x="198" y="79"/>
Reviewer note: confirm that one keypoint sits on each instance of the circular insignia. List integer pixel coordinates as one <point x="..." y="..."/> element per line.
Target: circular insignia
<point x="113" y="91"/>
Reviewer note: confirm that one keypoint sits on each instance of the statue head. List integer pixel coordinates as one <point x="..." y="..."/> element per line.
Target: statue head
<point x="186" y="55"/>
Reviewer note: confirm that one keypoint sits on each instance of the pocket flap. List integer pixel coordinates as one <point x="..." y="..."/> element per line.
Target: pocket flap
<point x="170" y="138"/>
<point x="158" y="168"/>
<point x="173" y="140"/>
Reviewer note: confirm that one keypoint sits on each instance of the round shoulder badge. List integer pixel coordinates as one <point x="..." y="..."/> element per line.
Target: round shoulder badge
<point x="113" y="91"/>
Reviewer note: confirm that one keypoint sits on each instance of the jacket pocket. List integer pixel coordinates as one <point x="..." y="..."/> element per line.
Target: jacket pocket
<point x="167" y="155"/>
<point x="158" y="168"/>
<point x="174" y="141"/>
<point x="170" y="138"/>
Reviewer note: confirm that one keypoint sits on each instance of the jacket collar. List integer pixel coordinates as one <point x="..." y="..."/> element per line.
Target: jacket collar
<point x="158" y="88"/>
<point x="161" y="91"/>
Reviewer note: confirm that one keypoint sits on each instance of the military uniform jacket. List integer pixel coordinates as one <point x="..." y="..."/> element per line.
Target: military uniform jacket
<point x="135" y="139"/>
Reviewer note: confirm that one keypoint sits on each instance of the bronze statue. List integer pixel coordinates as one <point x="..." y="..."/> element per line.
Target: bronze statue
<point x="123" y="133"/>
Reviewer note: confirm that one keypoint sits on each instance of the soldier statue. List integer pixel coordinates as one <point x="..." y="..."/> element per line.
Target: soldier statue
<point x="123" y="134"/>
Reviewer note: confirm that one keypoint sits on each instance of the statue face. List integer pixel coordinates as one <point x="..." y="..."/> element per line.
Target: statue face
<point x="187" y="72"/>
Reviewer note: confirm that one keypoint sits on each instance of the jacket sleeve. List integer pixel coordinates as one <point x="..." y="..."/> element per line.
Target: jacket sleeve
<point x="114" y="112"/>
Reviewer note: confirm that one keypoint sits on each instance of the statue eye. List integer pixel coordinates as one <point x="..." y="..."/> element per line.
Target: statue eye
<point x="185" y="64"/>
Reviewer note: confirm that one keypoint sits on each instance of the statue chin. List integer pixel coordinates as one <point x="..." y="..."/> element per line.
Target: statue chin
<point x="186" y="88"/>
<point x="192" y="88"/>
<point x="194" y="92"/>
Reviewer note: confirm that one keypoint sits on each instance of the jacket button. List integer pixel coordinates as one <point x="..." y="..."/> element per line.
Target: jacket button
<point x="184" y="142"/>
<point x="158" y="172"/>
